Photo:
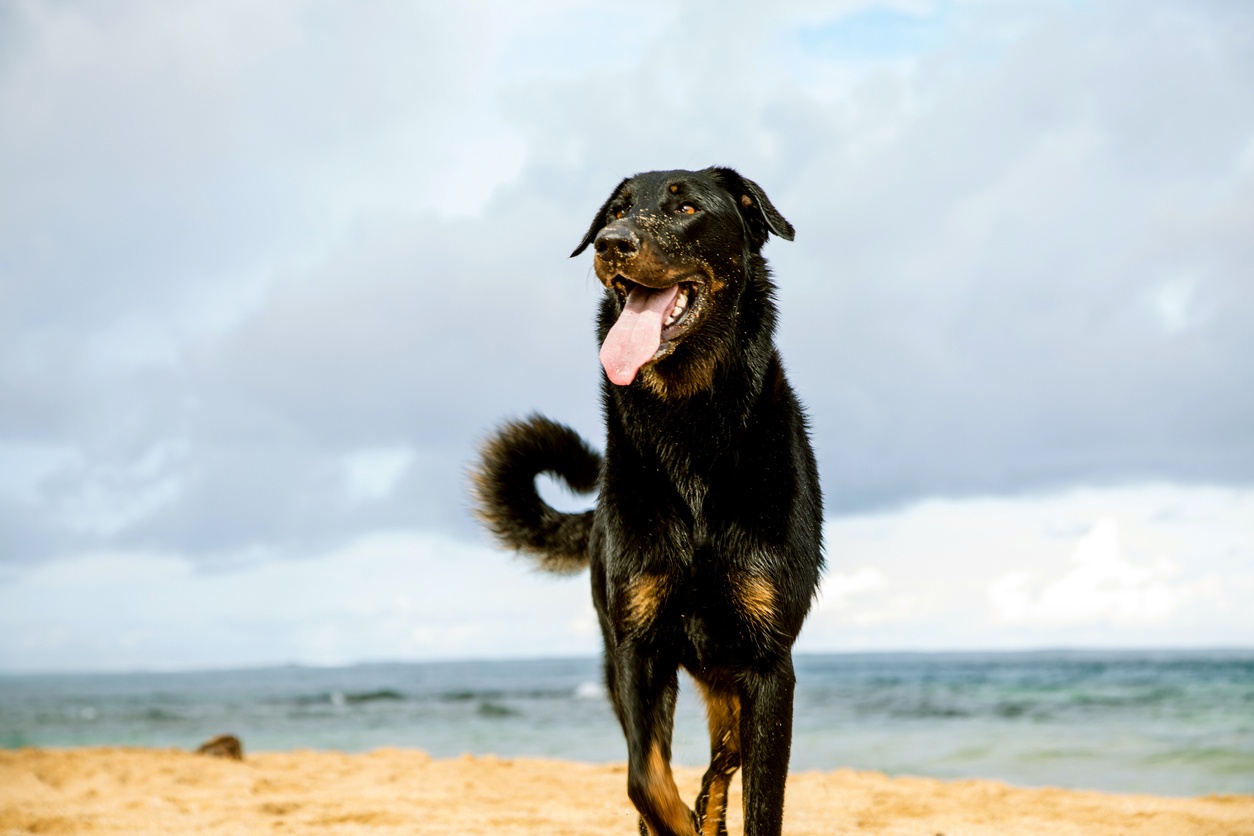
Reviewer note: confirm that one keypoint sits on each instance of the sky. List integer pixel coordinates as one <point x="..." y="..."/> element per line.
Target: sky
<point x="269" y="274"/>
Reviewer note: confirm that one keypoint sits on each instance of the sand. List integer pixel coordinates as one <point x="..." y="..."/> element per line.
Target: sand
<point x="136" y="791"/>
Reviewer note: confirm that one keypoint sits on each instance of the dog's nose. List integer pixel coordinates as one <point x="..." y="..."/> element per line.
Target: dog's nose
<point x="617" y="242"/>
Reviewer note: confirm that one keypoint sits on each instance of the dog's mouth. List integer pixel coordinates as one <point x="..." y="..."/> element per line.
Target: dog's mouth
<point x="651" y="324"/>
<point x="686" y="301"/>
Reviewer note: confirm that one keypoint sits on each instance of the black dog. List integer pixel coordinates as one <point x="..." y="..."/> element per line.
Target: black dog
<point x="705" y="543"/>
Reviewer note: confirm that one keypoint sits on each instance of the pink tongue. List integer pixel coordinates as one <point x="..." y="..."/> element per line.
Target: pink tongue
<point x="636" y="335"/>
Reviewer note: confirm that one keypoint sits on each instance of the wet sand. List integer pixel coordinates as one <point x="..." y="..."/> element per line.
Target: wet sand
<point x="395" y="791"/>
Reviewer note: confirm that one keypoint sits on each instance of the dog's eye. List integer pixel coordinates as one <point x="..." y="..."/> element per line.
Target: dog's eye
<point x="688" y="209"/>
<point x="618" y="214"/>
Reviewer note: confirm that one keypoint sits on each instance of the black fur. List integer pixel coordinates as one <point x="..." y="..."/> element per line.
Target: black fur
<point x="705" y="542"/>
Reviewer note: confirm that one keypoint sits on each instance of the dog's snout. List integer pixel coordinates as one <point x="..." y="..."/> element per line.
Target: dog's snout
<point x="617" y="242"/>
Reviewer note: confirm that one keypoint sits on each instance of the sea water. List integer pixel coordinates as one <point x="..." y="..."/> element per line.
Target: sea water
<point x="1176" y="723"/>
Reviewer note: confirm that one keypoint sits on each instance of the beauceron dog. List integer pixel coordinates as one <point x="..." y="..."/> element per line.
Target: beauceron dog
<point x="705" y="542"/>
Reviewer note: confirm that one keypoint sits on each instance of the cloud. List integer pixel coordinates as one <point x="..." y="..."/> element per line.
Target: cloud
<point x="1175" y="303"/>
<point x="838" y="586"/>
<point x="1147" y="567"/>
<point x="849" y="598"/>
<point x="390" y="595"/>
<point x="1102" y="586"/>
<point x="248" y="248"/>
<point x="372" y="474"/>
<point x="1154" y="566"/>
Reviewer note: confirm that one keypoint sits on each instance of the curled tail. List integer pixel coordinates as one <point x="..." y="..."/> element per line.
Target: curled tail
<point x="506" y="500"/>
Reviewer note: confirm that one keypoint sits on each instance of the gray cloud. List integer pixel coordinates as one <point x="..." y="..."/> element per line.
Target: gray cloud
<point x="999" y="268"/>
<point x="257" y="263"/>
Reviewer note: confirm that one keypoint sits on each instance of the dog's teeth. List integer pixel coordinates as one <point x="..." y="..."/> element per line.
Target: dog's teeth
<point x="681" y="304"/>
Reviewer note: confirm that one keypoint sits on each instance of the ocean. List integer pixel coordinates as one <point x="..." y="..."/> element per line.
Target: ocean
<point x="1171" y="722"/>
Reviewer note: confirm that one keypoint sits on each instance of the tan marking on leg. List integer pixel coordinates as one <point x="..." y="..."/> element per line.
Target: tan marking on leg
<point x="723" y="714"/>
<point x="756" y="596"/>
<point x="715" y="807"/>
<point x="722" y="711"/>
<point x="644" y="598"/>
<point x="664" y="796"/>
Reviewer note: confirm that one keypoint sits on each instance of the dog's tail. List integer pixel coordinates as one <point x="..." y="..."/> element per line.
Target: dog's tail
<point x="506" y="500"/>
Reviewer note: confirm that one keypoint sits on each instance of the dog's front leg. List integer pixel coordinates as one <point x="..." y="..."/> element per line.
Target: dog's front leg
<point x="646" y="697"/>
<point x="722" y="707"/>
<point x="766" y="740"/>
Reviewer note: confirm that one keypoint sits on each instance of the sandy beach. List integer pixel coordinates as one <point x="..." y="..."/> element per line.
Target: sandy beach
<point x="135" y="791"/>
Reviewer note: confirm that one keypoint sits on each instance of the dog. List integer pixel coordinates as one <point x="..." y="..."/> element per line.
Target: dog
<point x="705" y="543"/>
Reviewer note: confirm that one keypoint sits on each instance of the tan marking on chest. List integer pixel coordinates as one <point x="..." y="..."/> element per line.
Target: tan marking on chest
<point x="643" y="600"/>
<point x="755" y="596"/>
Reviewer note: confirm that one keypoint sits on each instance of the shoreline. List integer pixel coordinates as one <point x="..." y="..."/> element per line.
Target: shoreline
<point x="393" y="791"/>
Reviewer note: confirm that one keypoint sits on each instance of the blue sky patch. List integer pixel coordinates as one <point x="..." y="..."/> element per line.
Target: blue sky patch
<point x="878" y="32"/>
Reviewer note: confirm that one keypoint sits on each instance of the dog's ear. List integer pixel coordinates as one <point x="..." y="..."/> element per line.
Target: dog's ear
<point x="599" y="221"/>
<point x="761" y="216"/>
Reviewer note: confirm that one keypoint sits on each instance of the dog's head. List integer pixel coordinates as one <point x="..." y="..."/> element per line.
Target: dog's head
<point x="675" y="250"/>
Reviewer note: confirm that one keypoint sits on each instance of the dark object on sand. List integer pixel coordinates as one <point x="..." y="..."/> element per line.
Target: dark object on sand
<point x="705" y="542"/>
<point x="223" y="746"/>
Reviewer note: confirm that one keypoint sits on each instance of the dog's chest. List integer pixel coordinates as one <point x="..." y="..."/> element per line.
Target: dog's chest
<point x="689" y="478"/>
<point x="692" y="490"/>
<point x="711" y="627"/>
